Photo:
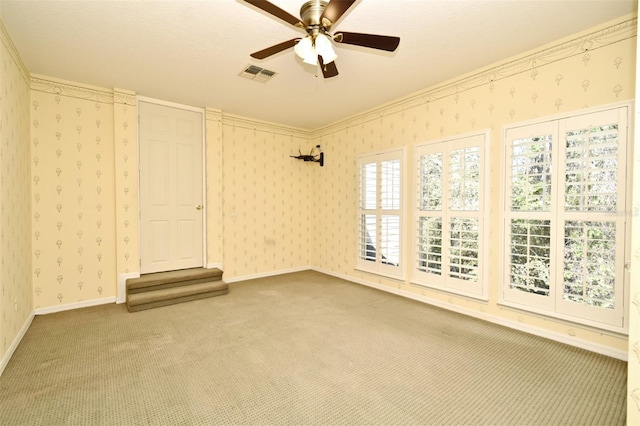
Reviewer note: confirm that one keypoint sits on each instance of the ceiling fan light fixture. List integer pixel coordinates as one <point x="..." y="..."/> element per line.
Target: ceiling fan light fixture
<point x="311" y="59"/>
<point x="305" y="50"/>
<point x="325" y="49"/>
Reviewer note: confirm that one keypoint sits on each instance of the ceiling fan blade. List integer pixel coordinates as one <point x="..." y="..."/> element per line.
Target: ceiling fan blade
<point x="276" y="11"/>
<point x="329" y="70"/>
<point x="373" y="41"/>
<point x="265" y="53"/>
<point x="335" y="9"/>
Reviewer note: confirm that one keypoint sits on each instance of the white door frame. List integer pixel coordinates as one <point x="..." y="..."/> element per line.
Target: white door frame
<point x="204" y="170"/>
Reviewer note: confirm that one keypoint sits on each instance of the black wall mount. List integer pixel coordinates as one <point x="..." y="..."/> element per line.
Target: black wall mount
<point x="311" y="157"/>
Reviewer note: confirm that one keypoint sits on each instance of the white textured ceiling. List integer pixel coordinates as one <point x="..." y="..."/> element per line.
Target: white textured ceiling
<point x="191" y="52"/>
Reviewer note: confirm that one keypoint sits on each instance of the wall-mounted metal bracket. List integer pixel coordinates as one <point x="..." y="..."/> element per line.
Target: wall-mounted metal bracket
<point x="311" y="157"/>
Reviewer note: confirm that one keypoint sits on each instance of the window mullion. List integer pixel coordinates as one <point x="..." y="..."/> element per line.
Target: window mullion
<point x="446" y="214"/>
<point x="378" y="211"/>
<point x="558" y="153"/>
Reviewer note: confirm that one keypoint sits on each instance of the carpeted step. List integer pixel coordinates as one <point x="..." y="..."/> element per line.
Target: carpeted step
<point x="169" y="296"/>
<point x="163" y="280"/>
<point x="166" y="288"/>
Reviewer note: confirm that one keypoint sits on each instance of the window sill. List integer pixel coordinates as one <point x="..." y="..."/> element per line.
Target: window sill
<point x="450" y="291"/>
<point x="569" y="320"/>
<point x="381" y="274"/>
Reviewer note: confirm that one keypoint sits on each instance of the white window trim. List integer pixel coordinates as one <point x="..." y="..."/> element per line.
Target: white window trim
<point x="396" y="273"/>
<point x="503" y="275"/>
<point x="439" y="282"/>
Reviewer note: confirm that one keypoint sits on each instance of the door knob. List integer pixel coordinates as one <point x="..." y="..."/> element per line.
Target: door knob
<point x="199" y="207"/>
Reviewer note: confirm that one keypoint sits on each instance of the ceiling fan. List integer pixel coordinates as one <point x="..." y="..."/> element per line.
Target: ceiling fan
<point x="317" y="17"/>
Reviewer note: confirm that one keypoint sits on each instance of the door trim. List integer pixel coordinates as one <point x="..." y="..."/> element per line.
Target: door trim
<point x="202" y="112"/>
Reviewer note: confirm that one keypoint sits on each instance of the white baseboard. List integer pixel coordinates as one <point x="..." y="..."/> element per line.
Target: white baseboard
<point x="14" y="345"/>
<point x="76" y="305"/>
<point x="215" y="265"/>
<point x="264" y="274"/>
<point x="122" y="285"/>
<point x="558" y="337"/>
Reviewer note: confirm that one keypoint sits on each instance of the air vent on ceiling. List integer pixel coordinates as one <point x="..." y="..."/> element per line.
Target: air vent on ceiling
<point x="253" y="72"/>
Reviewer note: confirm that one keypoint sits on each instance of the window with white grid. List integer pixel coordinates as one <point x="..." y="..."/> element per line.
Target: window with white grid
<point x="449" y="217"/>
<point x="380" y="211"/>
<point x="564" y="217"/>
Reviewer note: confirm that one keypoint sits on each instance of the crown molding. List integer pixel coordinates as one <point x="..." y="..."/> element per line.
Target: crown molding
<point x="124" y="97"/>
<point x="72" y="90"/>
<point x="264" y="126"/>
<point x="213" y="114"/>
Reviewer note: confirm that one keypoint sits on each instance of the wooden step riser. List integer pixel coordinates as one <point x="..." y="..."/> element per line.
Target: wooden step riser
<point x="172" y="301"/>
<point x="163" y="284"/>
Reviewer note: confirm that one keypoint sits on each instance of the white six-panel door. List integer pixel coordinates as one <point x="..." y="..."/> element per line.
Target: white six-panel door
<point x="171" y="200"/>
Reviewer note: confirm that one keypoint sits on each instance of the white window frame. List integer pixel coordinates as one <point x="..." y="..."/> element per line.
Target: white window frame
<point x="555" y="305"/>
<point x="378" y="265"/>
<point x="445" y="281"/>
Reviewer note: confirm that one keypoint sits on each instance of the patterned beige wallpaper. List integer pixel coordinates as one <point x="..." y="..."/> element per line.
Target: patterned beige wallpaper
<point x="85" y="194"/>
<point x="214" y="189"/>
<point x="266" y="198"/>
<point x="125" y="128"/>
<point x="15" y="224"/>
<point x="73" y="193"/>
<point x="595" y="68"/>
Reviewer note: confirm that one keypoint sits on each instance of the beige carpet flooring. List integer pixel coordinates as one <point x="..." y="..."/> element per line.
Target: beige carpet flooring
<point x="300" y="349"/>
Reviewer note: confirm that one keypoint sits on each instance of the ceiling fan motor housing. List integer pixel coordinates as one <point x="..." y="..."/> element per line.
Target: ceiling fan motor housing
<point x="311" y="14"/>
